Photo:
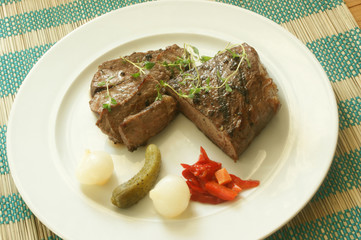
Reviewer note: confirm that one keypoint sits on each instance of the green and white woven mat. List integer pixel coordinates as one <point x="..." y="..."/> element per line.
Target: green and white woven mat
<point x="28" y="28"/>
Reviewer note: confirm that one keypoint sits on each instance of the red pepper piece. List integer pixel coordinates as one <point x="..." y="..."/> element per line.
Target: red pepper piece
<point x="206" y="171"/>
<point x="204" y="154"/>
<point x="202" y="181"/>
<point x="244" y="184"/>
<point x="220" y="191"/>
<point x="195" y="188"/>
<point x="205" y="198"/>
<point x="223" y="176"/>
<point x="234" y="187"/>
<point x="185" y="166"/>
<point x="187" y="174"/>
<point x="201" y="159"/>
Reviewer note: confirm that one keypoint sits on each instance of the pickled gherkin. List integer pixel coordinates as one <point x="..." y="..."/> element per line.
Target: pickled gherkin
<point x="129" y="193"/>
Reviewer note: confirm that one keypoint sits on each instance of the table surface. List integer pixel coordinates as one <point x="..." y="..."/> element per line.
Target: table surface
<point x="355" y="8"/>
<point x="330" y="29"/>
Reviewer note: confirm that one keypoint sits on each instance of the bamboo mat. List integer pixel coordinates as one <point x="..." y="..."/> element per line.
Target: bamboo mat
<point x="29" y="28"/>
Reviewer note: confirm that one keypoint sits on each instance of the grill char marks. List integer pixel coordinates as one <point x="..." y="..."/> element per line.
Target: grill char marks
<point x="231" y="119"/>
<point x="132" y="94"/>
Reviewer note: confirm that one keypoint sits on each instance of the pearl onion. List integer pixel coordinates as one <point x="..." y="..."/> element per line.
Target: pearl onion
<point x="96" y="167"/>
<point x="170" y="196"/>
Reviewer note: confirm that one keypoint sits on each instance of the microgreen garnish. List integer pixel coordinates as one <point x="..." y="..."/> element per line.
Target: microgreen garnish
<point x="205" y="58"/>
<point x="190" y="60"/>
<point x="111" y="101"/>
<point x="228" y="88"/>
<point x="135" y="75"/>
<point x="149" y="65"/>
<point x="159" y="94"/>
<point x="195" y="50"/>
<point x="243" y="56"/>
<point x="141" y="70"/>
<point x="101" y="84"/>
<point x="181" y="64"/>
<point x="234" y="55"/>
<point x="163" y="84"/>
<point x="135" y="65"/>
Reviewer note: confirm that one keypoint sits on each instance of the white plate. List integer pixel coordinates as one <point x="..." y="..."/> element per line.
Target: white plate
<point x="51" y="125"/>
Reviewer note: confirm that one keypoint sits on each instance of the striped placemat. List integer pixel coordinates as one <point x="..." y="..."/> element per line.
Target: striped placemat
<point x="28" y="28"/>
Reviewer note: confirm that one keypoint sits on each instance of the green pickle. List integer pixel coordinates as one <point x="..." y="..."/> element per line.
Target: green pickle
<point x="129" y="193"/>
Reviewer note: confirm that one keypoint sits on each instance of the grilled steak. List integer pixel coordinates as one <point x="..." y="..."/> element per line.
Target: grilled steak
<point x="131" y="91"/>
<point x="232" y="97"/>
<point x="136" y="129"/>
<point x="144" y="95"/>
<point x="240" y="100"/>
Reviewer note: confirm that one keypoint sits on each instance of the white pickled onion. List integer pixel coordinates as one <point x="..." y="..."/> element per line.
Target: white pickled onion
<point x="170" y="196"/>
<point x="96" y="167"/>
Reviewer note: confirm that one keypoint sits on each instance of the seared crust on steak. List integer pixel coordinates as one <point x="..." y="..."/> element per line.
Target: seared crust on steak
<point x="231" y="119"/>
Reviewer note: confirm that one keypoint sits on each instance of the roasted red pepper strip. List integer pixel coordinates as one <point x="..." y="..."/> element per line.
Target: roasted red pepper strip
<point x="205" y="198"/>
<point x="221" y="191"/>
<point x="204" y="154"/>
<point x="244" y="184"/>
<point x="202" y="182"/>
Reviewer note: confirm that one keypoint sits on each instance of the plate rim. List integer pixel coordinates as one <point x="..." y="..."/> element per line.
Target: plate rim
<point x="118" y="11"/>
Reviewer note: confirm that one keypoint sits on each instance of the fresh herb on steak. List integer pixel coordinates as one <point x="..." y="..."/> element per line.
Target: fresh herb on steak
<point x="189" y="61"/>
<point x="141" y="70"/>
<point x="111" y="101"/>
<point x="192" y="57"/>
<point x="149" y="65"/>
<point x="135" y="75"/>
<point x="197" y="57"/>
<point x="159" y="94"/>
<point x="163" y="84"/>
<point x="236" y="55"/>
<point x="205" y="58"/>
<point x="146" y="66"/>
<point x="101" y="84"/>
<point x="181" y="64"/>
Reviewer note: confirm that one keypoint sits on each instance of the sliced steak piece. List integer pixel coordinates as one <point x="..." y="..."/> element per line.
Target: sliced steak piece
<point x="233" y="118"/>
<point x="120" y="93"/>
<point x="109" y="121"/>
<point x="131" y="93"/>
<point x="119" y="70"/>
<point x="136" y="129"/>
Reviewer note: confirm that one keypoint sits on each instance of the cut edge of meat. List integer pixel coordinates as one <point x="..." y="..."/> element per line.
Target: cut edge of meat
<point x="137" y="129"/>
<point x="109" y="121"/>
<point x="206" y="126"/>
<point x="232" y="136"/>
